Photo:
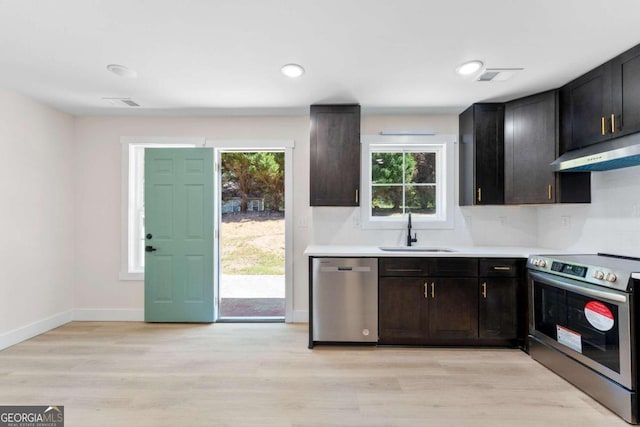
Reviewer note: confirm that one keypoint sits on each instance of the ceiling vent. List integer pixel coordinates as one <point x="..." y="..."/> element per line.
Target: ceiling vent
<point x="498" y="74"/>
<point x="121" y="102"/>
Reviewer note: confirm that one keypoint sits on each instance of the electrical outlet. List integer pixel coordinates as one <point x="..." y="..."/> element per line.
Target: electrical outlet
<point x="502" y="219"/>
<point x="565" y="221"/>
<point x="356" y="220"/>
<point x="636" y="210"/>
<point x="302" y="221"/>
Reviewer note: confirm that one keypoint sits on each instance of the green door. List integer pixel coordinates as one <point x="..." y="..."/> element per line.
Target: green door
<point x="178" y="189"/>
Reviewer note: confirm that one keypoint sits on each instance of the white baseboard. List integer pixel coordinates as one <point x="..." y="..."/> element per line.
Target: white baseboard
<point x="31" y="330"/>
<point x="300" y="316"/>
<point x="109" y="315"/>
<point x="137" y="315"/>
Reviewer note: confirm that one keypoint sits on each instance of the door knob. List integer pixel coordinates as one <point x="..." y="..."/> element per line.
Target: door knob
<point x="149" y="235"/>
<point x="149" y="249"/>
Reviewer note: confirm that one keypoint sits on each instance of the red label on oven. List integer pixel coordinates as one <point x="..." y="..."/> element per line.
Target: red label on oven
<point x="599" y="315"/>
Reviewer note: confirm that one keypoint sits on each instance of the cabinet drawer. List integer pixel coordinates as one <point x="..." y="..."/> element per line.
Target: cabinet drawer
<point x="417" y="267"/>
<point x="403" y="267"/>
<point x="501" y="267"/>
<point x="454" y="267"/>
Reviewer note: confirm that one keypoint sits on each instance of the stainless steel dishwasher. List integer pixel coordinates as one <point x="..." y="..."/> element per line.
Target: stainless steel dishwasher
<point x="344" y="300"/>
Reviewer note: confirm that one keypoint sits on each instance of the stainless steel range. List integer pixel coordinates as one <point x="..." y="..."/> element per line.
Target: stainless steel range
<point x="583" y="324"/>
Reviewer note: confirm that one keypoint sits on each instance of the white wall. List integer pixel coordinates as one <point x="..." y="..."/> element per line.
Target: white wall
<point x="99" y="292"/>
<point x="611" y="223"/>
<point x="36" y="218"/>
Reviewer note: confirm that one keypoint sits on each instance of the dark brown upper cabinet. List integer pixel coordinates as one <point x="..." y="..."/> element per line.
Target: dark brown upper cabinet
<point x="335" y="155"/>
<point x="530" y="145"/>
<point x="585" y="109"/>
<point x="482" y="155"/>
<point x="625" y="78"/>
<point x="602" y="104"/>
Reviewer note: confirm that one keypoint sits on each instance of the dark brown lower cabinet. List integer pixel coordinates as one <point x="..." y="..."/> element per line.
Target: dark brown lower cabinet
<point x="498" y="309"/>
<point x="502" y="308"/>
<point x="453" y="312"/>
<point x="451" y="301"/>
<point x="421" y="311"/>
<point x="402" y="310"/>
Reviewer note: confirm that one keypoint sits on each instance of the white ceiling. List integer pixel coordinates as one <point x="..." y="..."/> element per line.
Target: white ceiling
<point x="224" y="56"/>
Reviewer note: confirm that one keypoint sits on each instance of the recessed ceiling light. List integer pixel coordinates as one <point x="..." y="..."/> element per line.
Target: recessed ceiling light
<point x="292" y="70"/>
<point x="122" y="71"/>
<point x="469" y="67"/>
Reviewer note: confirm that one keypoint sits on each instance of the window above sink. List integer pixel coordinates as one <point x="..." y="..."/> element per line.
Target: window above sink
<point x="402" y="174"/>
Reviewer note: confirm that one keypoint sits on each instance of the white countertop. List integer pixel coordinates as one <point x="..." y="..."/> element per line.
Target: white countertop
<point x="458" y="251"/>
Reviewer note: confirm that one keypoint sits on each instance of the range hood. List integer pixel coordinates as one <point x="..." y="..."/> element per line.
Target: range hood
<point x="613" y="154"/>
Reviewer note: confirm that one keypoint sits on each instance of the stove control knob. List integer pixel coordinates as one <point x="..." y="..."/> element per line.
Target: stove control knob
<point x="598" y="275"/>
<point x="535" y="261"/>
<point x="542" y="263"/>
<point x="611" y="277"/>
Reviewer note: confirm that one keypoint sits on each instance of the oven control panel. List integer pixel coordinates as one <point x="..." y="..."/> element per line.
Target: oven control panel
<point x="588" y="273"/>
<point x="564" y="268"/>
<point x="550" y="265"/>
<point x="570" y="269"/>
<point x="610" y="271"/>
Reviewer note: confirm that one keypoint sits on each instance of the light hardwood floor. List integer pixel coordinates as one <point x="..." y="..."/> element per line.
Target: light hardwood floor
<point x="136" y="374"/>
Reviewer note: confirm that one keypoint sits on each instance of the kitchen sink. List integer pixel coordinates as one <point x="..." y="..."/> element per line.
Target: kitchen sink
<point x="413" y="249"/>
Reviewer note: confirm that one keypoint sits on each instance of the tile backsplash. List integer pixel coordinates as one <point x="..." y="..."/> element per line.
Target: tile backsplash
<point x="611" y="223"/>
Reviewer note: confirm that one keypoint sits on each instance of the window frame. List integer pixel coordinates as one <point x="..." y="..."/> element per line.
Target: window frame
<point x="444" y="147"/>
<point x="132" y="170"/>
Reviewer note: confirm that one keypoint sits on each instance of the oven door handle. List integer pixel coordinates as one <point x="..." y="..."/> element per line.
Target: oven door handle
<point x="577" y="287"/>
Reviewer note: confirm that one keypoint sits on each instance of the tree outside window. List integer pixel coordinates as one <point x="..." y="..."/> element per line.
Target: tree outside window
<point x="403" y="181"/>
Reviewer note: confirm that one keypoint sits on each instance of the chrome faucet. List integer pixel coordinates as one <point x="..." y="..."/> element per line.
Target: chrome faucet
<point x="410" y="239"/>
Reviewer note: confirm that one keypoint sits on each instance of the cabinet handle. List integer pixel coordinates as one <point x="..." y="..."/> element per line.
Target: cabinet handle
<point x="356" y="195"/>
<point x="604" y="126"/>
<point x="484" y="290"/>
<point x="613" y="123"/>
<point x="479" y="194"/>
<point x="501" y="268"/>
<point x="426" y="291"/>
<point x="433" y="290"/>
<point x="550" y="191"/>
